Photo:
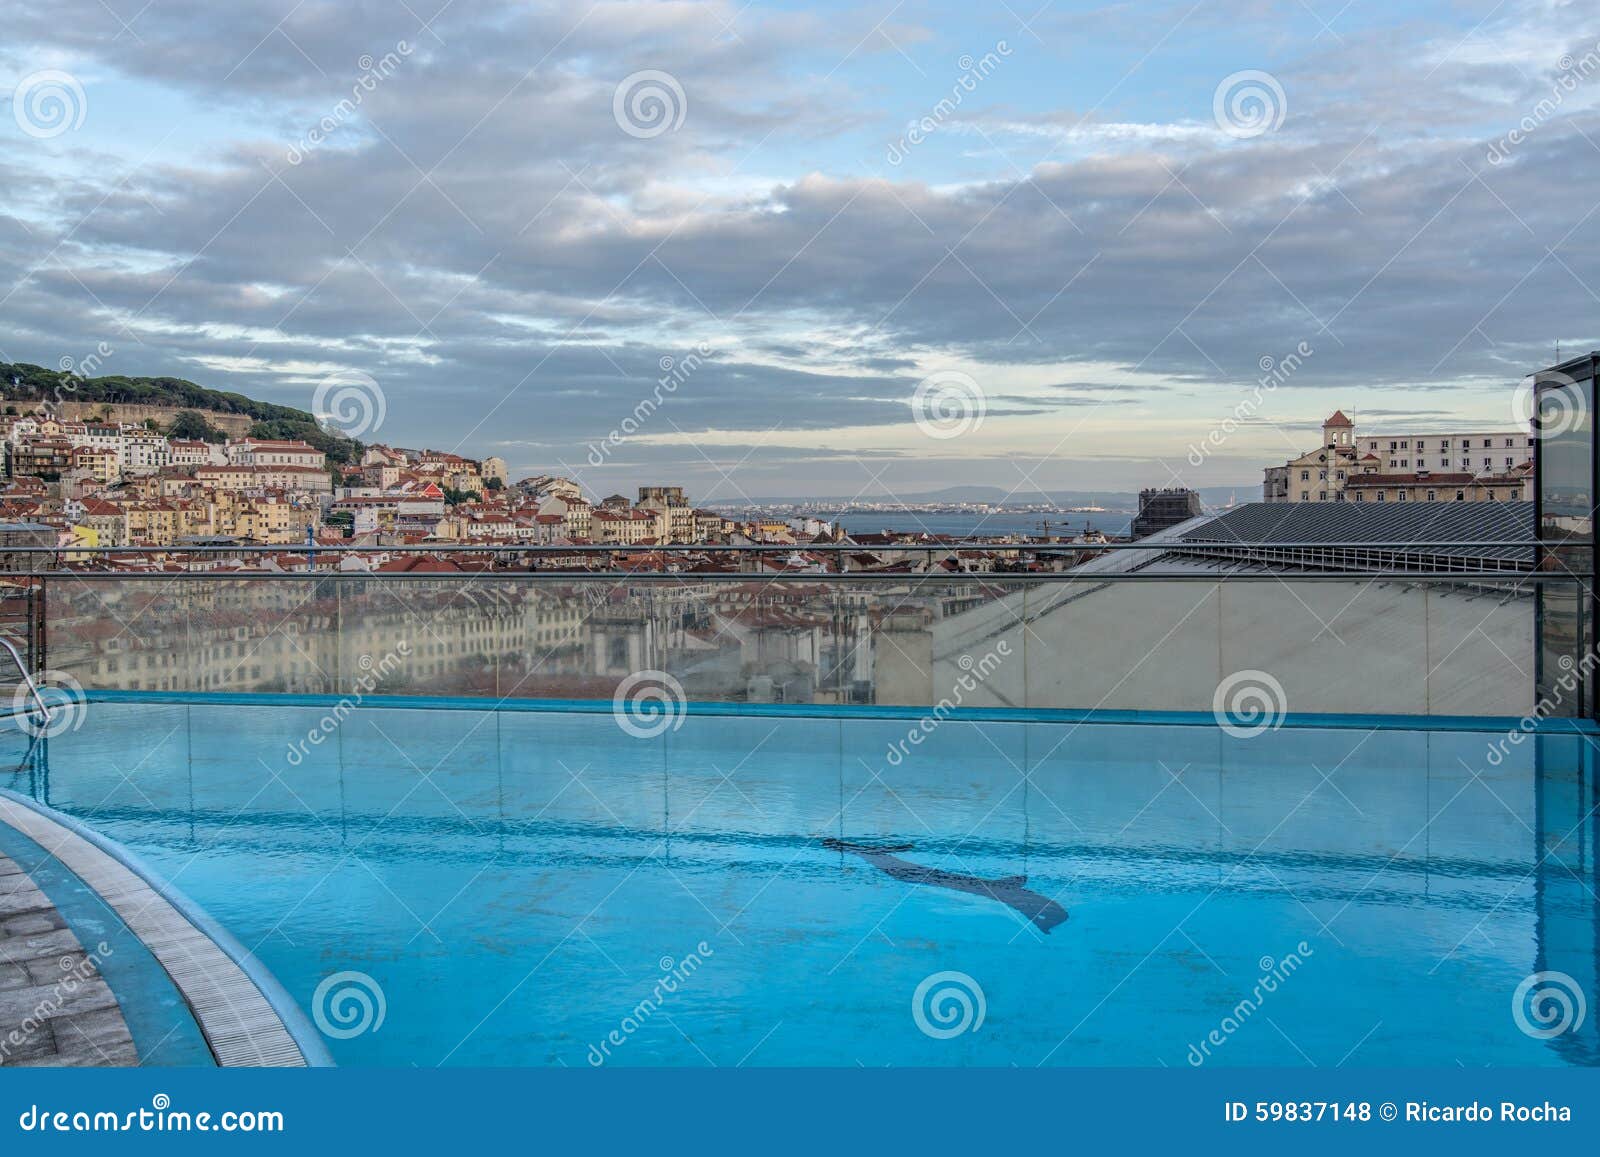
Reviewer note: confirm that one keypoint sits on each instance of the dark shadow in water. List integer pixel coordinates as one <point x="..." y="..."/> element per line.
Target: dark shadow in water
<point x="1044" y="912"/>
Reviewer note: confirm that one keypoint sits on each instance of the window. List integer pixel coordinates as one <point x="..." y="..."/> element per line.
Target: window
<point x="1322" y="475"/>
<point x="1394" y="445"/>
<point x="1430" y="496"/>
<point x="1510" y="443"/>
<point x="1380" y="495"/>
<point x="1488" y="461"/>
<point x="1461" y="495"/>
<point x="1399" y="495"/>
<point x="1508" y="462"/>
<point x="1403" y="444"/>
<point x="1358" y="496"/>
<point x="1421" y="445"/>
<point x="1444" y="444"/>
<point x="1487" y="442"/>
<point x="1322" y="496"/>
<point x="1406" y="462"/>
<point x="1304" y="497"/>
<point x="1305" y="475"/>
<point x="1340" y="473"/>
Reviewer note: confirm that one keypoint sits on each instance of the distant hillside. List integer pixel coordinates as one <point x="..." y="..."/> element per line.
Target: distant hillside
<point x="23" y="383"/>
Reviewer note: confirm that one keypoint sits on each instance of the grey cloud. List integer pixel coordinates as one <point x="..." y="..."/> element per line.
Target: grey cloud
<point x="551" y="260"/>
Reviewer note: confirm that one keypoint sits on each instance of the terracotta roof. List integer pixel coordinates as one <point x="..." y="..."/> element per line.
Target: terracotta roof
<point x="1338" y="419"/>
<point x="419" y="562"/>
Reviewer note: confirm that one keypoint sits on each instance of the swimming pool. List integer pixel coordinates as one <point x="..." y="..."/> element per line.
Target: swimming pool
<point x="538" y="887"/>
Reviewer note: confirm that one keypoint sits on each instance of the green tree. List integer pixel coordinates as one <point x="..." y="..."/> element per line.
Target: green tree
<point x="191" y="426"/>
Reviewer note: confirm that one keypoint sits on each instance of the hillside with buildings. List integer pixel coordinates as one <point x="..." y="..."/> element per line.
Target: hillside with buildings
<point x="174" y="406"/>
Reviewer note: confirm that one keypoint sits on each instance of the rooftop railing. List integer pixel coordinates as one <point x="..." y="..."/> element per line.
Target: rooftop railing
<point x="1442" y="557"/>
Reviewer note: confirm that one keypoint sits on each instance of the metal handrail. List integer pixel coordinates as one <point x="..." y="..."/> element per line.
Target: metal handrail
<point x="22" y="669"/>
<point x="603" y="548"/>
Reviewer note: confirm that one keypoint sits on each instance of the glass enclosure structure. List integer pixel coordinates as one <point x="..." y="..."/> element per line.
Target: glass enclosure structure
<point x="1455" y="645"/>
<point x="1564" y="493"/>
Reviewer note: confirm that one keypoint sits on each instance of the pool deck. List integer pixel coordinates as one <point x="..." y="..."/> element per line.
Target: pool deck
<point x="44" y="1020"/>
<point x="223" y="988"/>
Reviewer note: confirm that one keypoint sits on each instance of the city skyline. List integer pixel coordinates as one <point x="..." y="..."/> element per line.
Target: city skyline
<point x="771" y="240"/>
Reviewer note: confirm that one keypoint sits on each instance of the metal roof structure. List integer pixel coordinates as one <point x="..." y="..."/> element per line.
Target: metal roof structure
<point x="1369" y="535"/>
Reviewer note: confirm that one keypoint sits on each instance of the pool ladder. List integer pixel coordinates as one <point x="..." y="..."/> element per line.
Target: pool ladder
<point x="22" y="669"/>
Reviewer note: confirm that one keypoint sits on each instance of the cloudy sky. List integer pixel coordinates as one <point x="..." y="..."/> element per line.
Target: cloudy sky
<point x="887" y="247"/>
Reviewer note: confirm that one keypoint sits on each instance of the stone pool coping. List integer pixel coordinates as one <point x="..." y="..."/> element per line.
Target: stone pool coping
<point x="246" y="1018"/>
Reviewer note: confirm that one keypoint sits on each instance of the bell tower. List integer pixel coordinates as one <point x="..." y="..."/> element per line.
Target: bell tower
<point x="1338" y="432"/>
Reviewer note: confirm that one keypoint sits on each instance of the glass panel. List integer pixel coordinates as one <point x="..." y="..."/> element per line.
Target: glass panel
<point x="256" y="637"/>
<point x="1566" y="527"/>
<point x="1123" y="645"/>
<point x="125" y="635"/>
<point x="1111" y="642"/>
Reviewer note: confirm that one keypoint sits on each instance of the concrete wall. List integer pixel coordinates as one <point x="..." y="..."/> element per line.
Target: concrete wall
<point x="234" y="425"/>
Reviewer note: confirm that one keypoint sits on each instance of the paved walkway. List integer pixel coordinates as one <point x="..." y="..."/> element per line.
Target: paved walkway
<point x="54" y="1007"/>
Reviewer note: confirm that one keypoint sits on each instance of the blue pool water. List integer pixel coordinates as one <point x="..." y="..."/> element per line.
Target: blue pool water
<point x="543" y="888"/>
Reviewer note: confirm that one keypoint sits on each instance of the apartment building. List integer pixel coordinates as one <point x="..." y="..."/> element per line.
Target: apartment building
<point x="1481" y="467"/>
<point x="261" y="452"/>
<point x="576" y="512"/>
<point x="309" y="479"/>
<point x="672" y="509"/>
<point x="188" y="453"/>
<point x="625" y="527"/>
